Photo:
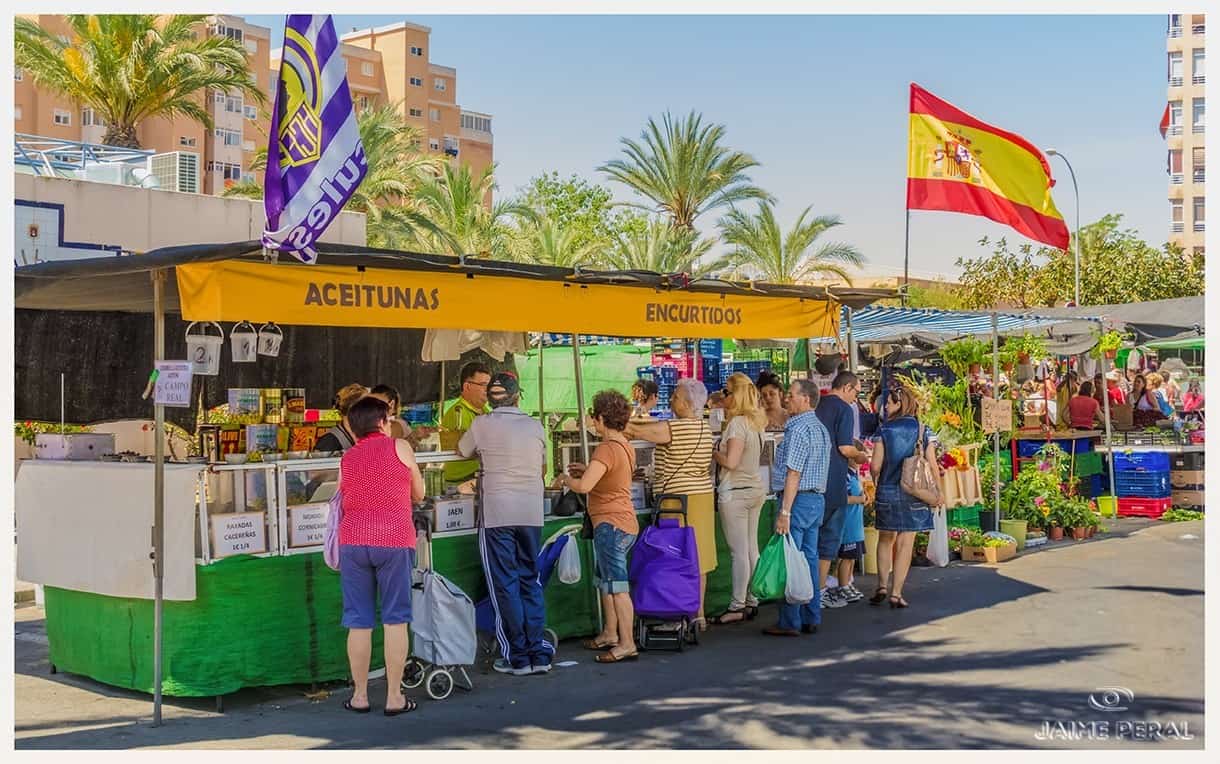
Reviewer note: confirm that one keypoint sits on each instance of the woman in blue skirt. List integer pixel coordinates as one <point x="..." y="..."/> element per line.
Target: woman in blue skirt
<point x="899" y="515"/>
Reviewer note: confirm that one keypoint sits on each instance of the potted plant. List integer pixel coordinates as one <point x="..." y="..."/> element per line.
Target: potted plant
<point x="1027" y="347"/>
<point x="979" y="547"/>
<point x="962" y="355"/>
<point x="1108" y="344"/>
<point x="1075" y="514"/>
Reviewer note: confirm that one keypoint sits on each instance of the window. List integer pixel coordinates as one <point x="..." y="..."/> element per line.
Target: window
<point x="1198" y="164"/>
<point x="233" y="104"/>
<point x="1175" y="117"/>
<point x="89" y="118"/>
<point x="1175" y="69"/>
<point x="18" y="75"/>
<point x="184" y="140"/>
<point x="1175" y="25"/>
<point x="417" y="82"/>
<point x="366" y="68"/>
<point x="416" y="112"/>
<point x="254" y="78"/>
<point x="229" y="137"/>
<point x="439" y="83"/>
<point x="218" y="97"/>
<point x="247" y="177"/>
<point x="251" y="46"/>
<point x="471" y="122"/>
<point x="250" y="112"/>
<point x="1175" y="166"/>
<point x="1198" y="212"/>
<point x="451" y="145"/>
<point x="363" y="102"/>
<point x="231" y="33"/>
<point x="1198" y="251"/>
<point x="62" y="117"/>
<point x="247" y="146"/>
<point x="1197" y="60"/>
<point x="434" y="144"/>
<point x="416" y="50"/>
<point x="1197" y="115"/>
<point x="228" y="170"/>
<point x="434" y="115"/>
<point x="1175" y="215"/>
<point x="17" y="112"/>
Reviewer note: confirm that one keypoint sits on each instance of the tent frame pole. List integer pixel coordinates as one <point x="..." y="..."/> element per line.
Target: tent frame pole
<point x="851" y="344"/>
<point x="584" y="445"/>
<point x="1105" y="363"/>
<point x="158" y="529"/>
<point x="995" y="391"/>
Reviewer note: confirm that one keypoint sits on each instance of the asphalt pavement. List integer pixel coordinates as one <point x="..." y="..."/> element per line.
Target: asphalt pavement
<point x="1095" y="644"/>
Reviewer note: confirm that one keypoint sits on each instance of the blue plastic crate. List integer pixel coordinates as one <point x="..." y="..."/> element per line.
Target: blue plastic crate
<point x="1149" y="485"/>
<point x="1141" y="461"/>
<point x="711" y="348"/>
<point x="1027" y="449"/>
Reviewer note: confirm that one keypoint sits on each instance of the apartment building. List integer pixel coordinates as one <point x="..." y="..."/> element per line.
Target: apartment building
<point x="1187" y="163"/>
<point x="223" y="154"/>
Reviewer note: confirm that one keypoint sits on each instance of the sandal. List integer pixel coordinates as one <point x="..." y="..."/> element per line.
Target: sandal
<point x="593" y="644"/>
<point x="879" y="595"/>
<point x="751" y="612"/>
<point x="347" y="704"/>
<point x="610" y="657"/>
<point x="897" y="602"/>
<point x="730" y="617"/>
<point x="406" y="709"/>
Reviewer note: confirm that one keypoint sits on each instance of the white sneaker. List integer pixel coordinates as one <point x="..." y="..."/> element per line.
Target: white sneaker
<point x="831" y="598"/>
<point x="852" y="594"/>
<point x="504" y="667"/>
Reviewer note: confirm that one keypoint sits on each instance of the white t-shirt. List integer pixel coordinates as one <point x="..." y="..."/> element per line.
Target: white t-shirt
<point x="747" y="473"/>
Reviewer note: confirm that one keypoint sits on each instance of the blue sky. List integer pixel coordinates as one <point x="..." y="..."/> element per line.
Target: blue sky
<point x="821" y="102"/>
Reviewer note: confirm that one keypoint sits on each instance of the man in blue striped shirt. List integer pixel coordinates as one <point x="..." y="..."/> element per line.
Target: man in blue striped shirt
<point x="802" y="462"/>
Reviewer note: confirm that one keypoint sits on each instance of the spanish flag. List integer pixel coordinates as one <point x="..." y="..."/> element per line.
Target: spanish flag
<point x="958" y="163"/>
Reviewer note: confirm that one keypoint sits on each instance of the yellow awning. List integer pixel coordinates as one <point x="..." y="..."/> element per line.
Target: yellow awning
<point x="323" y="295"/>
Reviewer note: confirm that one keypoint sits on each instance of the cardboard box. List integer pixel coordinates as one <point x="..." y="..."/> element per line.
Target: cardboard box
<point x="1187" y="479"/>
<point x="1187" y="499"/>
<point x="1122" y="416"/>
<point x="991" y="554"/>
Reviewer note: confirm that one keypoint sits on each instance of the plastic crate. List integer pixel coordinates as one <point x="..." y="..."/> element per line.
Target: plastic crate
<point x="1152" y="485"/>
<point x="1028" y="448"/>
<point x="1132" y="506"/>
<point x="963" y="517"/>
<point x="1088" y="464"/>
<point x="1189" y="461"/>
<point x="1141" y="461"/>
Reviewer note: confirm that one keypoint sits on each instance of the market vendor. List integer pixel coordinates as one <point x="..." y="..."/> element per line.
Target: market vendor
<point x="471" y="403"/>
<point x="1113" y="388"/>
<point x="644" y="396"/>
<point x="340" y="437"/>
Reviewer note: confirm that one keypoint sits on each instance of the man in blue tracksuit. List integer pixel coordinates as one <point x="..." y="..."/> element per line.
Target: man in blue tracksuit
<point x="512" y="448"/>
<point x="802" y="461"/>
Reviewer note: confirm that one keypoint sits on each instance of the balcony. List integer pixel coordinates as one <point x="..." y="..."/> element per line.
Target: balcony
<point x="1175" y="31"/>
<point x="1176" y="227"/>
<point x="1198" y="79"/>
<point x="1176" y="179"/>
<point x="1199" y="226"/>
<point x="1175" y="130"/>
<point x="1175" y="82"/>
<point x="1199" y="176"/>
<point x="1198" y="129"/>
<point x="1198" y="29"/>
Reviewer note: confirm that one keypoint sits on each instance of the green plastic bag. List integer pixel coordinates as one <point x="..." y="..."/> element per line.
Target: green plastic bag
<point x="771" y="575"/>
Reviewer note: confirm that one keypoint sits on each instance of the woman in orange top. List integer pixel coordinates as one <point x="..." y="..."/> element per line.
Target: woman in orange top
<point x="607" y="480"/>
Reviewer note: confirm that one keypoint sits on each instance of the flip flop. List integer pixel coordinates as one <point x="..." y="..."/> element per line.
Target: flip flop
<point x="593" y="644"/>
<point x="408" y="708"/>
<point x="354" y="709"/>
<point x="609" y="657"/>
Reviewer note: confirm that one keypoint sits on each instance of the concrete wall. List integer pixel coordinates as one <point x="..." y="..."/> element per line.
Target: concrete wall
<point x="136" y="220"/>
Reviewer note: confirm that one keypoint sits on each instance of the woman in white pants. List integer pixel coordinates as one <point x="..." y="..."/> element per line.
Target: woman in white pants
<point x="741" y="491"/>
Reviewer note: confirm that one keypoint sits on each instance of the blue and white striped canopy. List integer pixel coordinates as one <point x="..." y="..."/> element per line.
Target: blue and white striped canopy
<point x="879" y="324"/>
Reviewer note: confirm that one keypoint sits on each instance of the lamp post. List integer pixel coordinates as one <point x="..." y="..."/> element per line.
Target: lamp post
<point x="1076" y="190"/>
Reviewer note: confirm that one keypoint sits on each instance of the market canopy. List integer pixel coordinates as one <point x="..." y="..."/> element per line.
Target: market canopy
<point x="1151" y="320"/>
<point x="934" y="327"/>
<point x="363" y="287"/>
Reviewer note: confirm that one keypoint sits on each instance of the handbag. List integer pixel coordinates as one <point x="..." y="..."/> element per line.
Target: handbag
<point x="330" y="539"/>
<point x="919" y="475"/>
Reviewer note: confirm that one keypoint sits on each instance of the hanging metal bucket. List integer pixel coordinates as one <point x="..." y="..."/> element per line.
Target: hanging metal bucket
<point x="203" y="350"/>
<point x="269" y="338"/>
<point x="244" y="343"/>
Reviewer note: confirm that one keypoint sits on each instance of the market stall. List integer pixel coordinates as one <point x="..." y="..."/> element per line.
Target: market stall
<point x="270" y="594"/>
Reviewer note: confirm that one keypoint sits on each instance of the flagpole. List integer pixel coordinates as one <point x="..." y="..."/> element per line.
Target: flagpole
<point x="906" y="261"/>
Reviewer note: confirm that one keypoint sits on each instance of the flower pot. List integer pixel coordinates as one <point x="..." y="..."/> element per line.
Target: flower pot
<point x="1035" y="529"/>
<point x="1016" y="529"/>
<point x="1080" y="533"/>
<point x="1111" y="354"/>
<point x="1055" y="534"/>
<point x="1089" y="531"/>
<point x="1023" y="358"/>
<point x="987" y="520"/>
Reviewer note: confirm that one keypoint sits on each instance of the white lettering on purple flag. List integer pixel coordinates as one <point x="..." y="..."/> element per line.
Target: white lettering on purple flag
<point x="315" y="161"/>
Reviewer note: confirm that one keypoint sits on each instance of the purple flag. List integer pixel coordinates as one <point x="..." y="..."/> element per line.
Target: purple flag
<point x="315" y="160"/>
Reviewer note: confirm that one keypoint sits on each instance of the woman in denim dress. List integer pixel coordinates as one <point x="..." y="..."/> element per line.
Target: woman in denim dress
<point x="899" y="515"/>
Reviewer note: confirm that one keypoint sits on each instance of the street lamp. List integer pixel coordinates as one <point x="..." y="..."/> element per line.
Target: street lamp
<point x="1076" y="190"/>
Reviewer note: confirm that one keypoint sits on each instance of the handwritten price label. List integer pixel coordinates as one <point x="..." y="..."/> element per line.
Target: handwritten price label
<point x="173" y="386"/>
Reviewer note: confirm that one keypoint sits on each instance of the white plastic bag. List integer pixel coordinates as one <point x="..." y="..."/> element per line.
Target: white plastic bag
<point x="569" y="561"/>
<point x="938" y="539"/>
<point x="799" y="588"/>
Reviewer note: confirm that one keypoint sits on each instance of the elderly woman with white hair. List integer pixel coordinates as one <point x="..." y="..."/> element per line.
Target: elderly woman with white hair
<point x="683" y="465"/>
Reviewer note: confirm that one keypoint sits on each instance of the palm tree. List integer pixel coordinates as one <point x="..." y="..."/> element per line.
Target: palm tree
<point x="660" y="248"/>
<point x="546" y="241"/>
<point x="763" y="251"/>
<point x="454" y="205"/>
<point x="397" y="168"/>
<point x="132" y="67"/>
<point x="683" y="169"/>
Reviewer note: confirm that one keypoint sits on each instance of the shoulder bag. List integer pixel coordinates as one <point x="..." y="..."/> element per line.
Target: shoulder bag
<point x="919" y="477"/>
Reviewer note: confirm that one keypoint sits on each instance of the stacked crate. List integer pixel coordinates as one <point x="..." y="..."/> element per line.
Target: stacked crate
<point x="1141" y="481"/>
<point x="1186" y="481"/>
<point x="666" y="378"/>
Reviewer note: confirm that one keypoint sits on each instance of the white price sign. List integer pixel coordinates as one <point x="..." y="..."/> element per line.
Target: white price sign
<point x="238" y="533"/>
<point x="173" y="386"/>
<point x="455" y="514"/>
<point x="307" y="524"/>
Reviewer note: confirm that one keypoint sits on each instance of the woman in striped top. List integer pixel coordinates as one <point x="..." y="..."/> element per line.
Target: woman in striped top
<point x="683" y="465"/>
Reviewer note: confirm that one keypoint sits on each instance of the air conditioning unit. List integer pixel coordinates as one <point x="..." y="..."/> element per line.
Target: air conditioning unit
<point x="177" y="171"/>
<point x="117" y="173"/>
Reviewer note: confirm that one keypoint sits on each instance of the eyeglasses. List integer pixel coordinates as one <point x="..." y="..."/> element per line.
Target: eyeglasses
<point x="478" y="384"/>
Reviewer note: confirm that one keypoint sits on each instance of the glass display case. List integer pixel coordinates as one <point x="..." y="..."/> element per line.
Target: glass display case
<point x="237" y="511"/>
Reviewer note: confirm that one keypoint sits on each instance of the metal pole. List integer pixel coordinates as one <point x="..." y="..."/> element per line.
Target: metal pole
<point x="440" y="406"/>
<point x="851" y="345"/>
<point x="158" y="279"/>
<point x="995" y="393"/>
<point x="541" y="387"/>
<point x="1105" y="363"/>
<point x="906" y="260"/>
<point x="1076" y="191"/>
<point x="580" y="399"/>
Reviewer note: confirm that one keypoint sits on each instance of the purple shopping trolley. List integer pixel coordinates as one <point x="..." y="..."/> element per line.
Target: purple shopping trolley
<point x="665" y="581"/>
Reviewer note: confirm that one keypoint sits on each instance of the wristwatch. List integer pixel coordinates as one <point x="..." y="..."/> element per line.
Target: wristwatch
<point x="785" y="512"/>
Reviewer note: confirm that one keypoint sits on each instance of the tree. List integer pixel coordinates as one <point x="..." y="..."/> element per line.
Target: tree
<point x="130" y="68"/>
<point x="453" y="204"/>
<point x="549" y="241"/>
<point x="661" y="248"/>
<point x="763" y="251"/>
<point x="683" y="169"/>
<point x="1116" y="266"/>
<point x="584" y="209"/>
<point x="396" y="170"/>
